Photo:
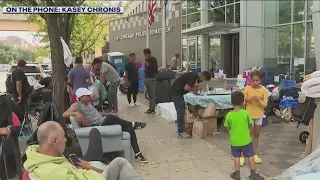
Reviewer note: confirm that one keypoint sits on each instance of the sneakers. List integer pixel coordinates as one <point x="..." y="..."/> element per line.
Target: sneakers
<point x="256" y="176"/>
<point x="139" y="125"/>
<point x="131" y="104"/>
<point x="147" y="111"/>
<point x="134" y="104"/>
<point x="235" y="176"/>
<point x="141" y="158"/>
<point x="183" y="135"/>
<point x="257" y="160"/>
<point x="137" y="104"/>
<point x="151" y="112"/>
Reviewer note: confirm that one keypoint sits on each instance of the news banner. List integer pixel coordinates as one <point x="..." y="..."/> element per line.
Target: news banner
<point x="62" y="9"/>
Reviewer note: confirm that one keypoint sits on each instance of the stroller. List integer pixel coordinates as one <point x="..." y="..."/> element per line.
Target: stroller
<point x="303" y="113"/>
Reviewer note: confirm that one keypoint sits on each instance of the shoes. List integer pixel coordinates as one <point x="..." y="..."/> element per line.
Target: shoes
<point x="151" y="112"/>
<point x="256" y="176"/>
<point x="242" y="161"/>
<point x="257" y="160"/>
<point x="234" y="176"/>
<point x="131" y="104"/>
<point x="137" y="104"/>
<point x="140" y="157"/>
<point x="139" y="125"/>
<point x="183" y="135"/>
<point x="147" y="111"/>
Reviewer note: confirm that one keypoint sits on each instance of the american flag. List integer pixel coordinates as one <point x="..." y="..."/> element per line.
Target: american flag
<point x="152" y="8"/>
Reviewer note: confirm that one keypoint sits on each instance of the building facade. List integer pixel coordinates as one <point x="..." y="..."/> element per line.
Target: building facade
<point x="128" y="34"/>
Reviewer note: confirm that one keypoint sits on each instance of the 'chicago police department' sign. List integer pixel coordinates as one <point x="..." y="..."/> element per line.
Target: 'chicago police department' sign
<point x="144" y="33"/>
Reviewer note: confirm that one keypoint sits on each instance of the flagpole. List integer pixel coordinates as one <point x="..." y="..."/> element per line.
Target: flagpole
<point x="163" y="37"/>
<point x="148" y="28"/>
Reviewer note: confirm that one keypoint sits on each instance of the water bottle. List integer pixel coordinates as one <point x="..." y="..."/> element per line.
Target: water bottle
<point x="207" y="88"/>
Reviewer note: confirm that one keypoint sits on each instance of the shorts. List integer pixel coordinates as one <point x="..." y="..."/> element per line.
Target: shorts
<point x="257" y="121"/>
<point x="247" y="150"/>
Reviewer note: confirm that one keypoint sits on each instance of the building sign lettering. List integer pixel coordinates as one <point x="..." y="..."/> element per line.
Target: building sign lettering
<point x="195" y="24"/>
<point x="144" y="33"/>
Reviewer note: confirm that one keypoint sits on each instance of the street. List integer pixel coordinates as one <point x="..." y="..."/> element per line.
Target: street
<point x="202" y="159"/>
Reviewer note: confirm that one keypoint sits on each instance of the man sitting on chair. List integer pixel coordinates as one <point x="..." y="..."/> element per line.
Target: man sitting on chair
<point x="46" y="161"/>
<point x="87" y="115"/>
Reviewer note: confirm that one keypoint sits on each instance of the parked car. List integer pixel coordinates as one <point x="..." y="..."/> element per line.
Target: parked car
<point x="46" y="68"/>
<point x="32" y="71"/>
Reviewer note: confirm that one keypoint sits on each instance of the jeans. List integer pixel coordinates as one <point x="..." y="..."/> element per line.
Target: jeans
<point x="133" y="90"/>
<point x="119" y="168"/>
<point x="112" y="95"/>
<point x="126" y="127"/>
<point x="151" y="88"/>
<point x="180" y="106"/>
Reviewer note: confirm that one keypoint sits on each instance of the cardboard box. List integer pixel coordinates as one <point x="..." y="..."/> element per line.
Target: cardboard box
<point x="211" y="125"/>
<point x="308" y="147"/>
<point x="188" y="128"/>
<point x="200" y="111"/>
<point x="188" y="118"/>
<point x="209" y="111"/>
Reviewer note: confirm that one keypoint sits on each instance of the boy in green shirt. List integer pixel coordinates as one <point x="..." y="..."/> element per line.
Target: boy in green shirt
<point x="238" y="123"/>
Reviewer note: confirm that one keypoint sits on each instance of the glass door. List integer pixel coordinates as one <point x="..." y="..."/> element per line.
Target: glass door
<point x="192" y="54"/>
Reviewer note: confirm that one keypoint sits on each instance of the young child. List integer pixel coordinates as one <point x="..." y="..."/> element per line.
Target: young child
<point x="238" y="123"/>
<point x="256" y="100"/>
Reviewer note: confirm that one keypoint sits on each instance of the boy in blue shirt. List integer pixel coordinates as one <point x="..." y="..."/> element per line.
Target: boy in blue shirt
<point x="238" y="123"/>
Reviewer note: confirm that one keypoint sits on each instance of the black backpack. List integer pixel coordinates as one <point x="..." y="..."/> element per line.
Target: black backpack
<point x="9" y="84"/>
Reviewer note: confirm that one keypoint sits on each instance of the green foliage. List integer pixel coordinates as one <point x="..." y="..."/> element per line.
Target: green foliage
<point x="9" y="54"/>
<point x="88" y="30"/>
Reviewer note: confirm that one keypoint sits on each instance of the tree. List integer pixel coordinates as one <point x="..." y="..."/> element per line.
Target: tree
<point x="58" y="25"/>
<point x="88" y="31"/>
<point x="9" y="54"/>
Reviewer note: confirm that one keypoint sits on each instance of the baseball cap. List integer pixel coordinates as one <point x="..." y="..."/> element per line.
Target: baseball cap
<point x="38" y="86"/>
<point x="21" y="63"/>
<point x="83" y="92"/>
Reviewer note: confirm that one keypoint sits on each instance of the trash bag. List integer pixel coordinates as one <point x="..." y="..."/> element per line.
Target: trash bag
<point x="308" y="165"/>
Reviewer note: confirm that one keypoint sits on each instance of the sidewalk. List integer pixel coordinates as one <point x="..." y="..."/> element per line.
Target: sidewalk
<point x="171" y="158"/>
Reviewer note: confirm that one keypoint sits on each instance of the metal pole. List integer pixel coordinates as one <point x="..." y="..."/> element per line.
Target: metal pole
<point x="148" y="28"/>
<point x="163" y="38"/>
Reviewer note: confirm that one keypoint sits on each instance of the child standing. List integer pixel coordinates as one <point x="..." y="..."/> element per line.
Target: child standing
<point x="238" y="123"/>
<point x="256" y="100"/>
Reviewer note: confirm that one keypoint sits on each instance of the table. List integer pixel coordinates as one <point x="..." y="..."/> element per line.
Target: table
<point x="221" y="101"/>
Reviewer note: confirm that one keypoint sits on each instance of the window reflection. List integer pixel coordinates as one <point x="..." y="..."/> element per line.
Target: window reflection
<point x="199" y="53"/>
<point x="184" y="22"/>
<point x="192" y="18"/>
<point x="284" y="11"/>
<point x="193" y="6"/>
<point x="237" y="13"/>
<point x="299" y="10"/>
<point x="310" y="3"/>
<point x="216" y="3"/>
<point x="214" y="54"/>
<point x="230" y="14"/>
<point x="310" y="54"/>
<point x="184" y="7"/>
<point x="217" y="15"/>
<point x="298" y="48"/>
<point x="184" y="57"/>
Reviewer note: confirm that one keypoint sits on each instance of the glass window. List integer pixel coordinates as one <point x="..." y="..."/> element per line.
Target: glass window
<point x="184" y="56"/>
<point x="310" y="2"/>
<point x="184" y="7"/>
<point x="216" y="3"/>
<point x="299" y="10"/>
<point x="184" y="22"/>
<point x="229" y="1"/>
<point x="310" y="54"/>
<point x="214" y="54"/>
<point x="284" y="11"/>
<point x="230" y="14"/>
<point x="199" y="52"/>
<point x="217" y="15"/>
<point x="192" y="19"/>
<point x="192" y="47"/>
<point x="298" y="48"/>
<point x="237" y="13"/>
<point x="193" y="6"/>
<point x="284" y="48"/>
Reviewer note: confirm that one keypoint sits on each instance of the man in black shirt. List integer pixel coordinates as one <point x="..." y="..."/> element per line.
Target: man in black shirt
<point x="132" y="75"/>
<point x="21" y="85"/>
<point x="151" y="69"/>
<point x="181" y="86"/>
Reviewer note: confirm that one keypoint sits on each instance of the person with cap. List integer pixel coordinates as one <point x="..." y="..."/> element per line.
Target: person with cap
<point x="35" y="98"/>
<point x="21" y="86"/>
<point x="87" y="115"/>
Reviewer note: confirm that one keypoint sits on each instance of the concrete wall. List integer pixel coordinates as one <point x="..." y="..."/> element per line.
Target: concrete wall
<point x="136" y="25"/>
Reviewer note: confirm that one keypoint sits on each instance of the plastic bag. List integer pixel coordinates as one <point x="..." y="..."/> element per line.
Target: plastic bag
<point x="308" y="165"/>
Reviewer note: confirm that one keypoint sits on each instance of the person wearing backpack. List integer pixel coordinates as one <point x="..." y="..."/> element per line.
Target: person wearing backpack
<point x="21" y="86"/>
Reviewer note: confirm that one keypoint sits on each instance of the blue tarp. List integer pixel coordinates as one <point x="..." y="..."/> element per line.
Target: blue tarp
<point x="141" y="81"/>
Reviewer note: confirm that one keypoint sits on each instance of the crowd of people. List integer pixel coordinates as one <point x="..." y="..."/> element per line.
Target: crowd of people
<point x="46" y="160"/>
